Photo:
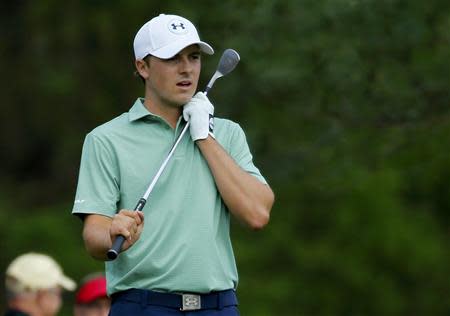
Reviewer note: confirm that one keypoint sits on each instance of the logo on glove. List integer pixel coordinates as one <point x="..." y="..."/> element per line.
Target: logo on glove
<point x="211" y="123"/>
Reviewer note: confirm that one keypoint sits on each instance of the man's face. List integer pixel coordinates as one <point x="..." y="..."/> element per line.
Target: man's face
<point x="49" y="301"/>
<point x="173" y="82"/>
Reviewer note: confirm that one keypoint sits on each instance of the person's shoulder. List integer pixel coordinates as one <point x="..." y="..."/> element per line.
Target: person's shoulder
<point x="110" y="127"/>
<point x="228" y="131"/>
<point x="225" y="123"/>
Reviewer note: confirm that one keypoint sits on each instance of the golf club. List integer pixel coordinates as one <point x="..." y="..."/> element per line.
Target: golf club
<point x="227" y="63"/>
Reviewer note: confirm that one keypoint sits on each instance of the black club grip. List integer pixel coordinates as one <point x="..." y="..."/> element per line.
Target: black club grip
<point x="115" y="249"/>
<point x="118" y="242"/>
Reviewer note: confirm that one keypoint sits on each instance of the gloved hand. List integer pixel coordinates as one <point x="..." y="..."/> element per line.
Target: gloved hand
<point x="199" y="112"/>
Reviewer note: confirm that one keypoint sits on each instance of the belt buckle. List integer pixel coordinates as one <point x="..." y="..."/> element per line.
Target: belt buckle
<point x="191" y="302"/>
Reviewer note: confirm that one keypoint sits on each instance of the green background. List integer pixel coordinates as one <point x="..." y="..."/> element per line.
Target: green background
<point x="345" y="106"/>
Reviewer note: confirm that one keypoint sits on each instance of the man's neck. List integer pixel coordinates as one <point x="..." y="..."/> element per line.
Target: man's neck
<point x="170" y="113"/>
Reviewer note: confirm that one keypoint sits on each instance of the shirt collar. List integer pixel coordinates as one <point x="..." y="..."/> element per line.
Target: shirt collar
<point x="138" y="111"/>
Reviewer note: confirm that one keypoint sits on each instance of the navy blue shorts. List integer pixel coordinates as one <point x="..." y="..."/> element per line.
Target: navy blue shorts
<point x="150" y="303"/>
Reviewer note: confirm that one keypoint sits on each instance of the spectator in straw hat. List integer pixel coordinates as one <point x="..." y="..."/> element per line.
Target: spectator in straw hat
<point x="91" y="298"/>
<point x="34" y="284"/>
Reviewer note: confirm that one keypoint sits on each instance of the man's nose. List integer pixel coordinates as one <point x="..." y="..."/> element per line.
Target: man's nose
<point x="185" y="64"/>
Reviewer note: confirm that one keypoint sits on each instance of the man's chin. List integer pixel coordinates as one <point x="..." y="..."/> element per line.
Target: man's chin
<point x="179" y="103"/>
<point x="185" y="100"/>
<point x="181" y="99"/>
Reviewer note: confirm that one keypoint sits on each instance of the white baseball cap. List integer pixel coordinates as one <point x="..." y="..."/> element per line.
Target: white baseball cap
<point x="165" y="36"/>
<point x="36" y="271"/>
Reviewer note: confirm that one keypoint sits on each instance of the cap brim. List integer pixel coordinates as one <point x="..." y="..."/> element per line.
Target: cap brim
<point x="67" y="283"/>
<point x="171" y="50"/>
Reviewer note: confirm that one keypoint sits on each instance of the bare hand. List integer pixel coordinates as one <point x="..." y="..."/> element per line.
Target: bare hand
<point x="129" y="224"/>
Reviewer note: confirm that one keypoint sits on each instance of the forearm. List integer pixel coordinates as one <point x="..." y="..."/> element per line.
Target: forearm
<point x="245" y="196"/>
<point x="96" y="236"/>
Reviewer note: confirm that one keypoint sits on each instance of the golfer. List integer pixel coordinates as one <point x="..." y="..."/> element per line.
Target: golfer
<point x="179" y="258"/>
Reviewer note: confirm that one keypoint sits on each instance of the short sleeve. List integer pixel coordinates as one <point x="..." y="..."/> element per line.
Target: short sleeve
<point x="240" y="152"/>
<point x="98" y="180"/>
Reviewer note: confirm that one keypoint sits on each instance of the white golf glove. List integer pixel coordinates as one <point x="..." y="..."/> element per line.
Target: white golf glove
<point x="199" y="112"/>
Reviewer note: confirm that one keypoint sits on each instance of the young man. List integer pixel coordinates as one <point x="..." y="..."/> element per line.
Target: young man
<point x="180" y="258"/>
<point x="91" y="298"/>
<point x="34" y="283"/>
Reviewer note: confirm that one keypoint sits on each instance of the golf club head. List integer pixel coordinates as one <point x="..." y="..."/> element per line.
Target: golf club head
<point x="230" y="58"/>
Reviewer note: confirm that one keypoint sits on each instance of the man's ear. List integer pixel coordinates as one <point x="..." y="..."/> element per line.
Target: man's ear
<point x="142" y="67"/>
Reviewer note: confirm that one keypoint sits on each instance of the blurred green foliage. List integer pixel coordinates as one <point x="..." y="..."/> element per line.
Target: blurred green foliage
<point x="345" y="105"/>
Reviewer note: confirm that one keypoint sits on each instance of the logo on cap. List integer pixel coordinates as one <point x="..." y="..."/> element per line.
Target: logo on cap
<point x="177" y="27"/>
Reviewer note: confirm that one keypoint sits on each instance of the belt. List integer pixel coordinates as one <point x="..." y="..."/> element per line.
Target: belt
<point x="184" y="302"/>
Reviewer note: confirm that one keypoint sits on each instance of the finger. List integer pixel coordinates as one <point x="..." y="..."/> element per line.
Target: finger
<point x="118" y="225"/>
<point x="138" y="218"/>
<point x="126" y="213"/>
<point x="136" y="235"/>
<point x="124" y="232"/>
<point x="139" y="231"/>
<point x="141" y="215"/>
<point x="122" y="222"/>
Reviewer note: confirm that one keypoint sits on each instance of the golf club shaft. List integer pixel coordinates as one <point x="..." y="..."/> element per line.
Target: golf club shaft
<point x="118" y="242"/>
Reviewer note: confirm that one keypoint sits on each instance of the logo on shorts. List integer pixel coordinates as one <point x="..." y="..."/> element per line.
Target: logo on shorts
<point x="177" y="27"/>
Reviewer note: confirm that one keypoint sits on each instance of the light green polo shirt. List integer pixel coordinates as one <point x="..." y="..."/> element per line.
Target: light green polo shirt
<point x="185" y="244"/>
